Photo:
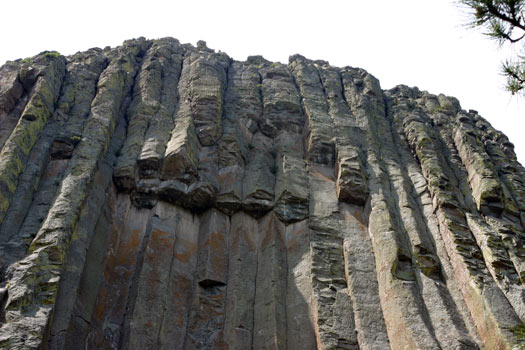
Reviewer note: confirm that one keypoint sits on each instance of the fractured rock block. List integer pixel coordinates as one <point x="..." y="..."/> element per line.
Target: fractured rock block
<point x="10" y="87"/>
<point x="182" y="153"/>
<point x="291" y="189"/>
<point x="351" y="180"/>
<point x="206" y="88"/>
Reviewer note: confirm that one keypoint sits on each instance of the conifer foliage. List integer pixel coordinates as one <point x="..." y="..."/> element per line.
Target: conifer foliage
<point x="503" y="21"/>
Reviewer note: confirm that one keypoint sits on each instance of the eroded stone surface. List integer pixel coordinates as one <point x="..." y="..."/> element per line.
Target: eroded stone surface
<point x="165" y="196"/>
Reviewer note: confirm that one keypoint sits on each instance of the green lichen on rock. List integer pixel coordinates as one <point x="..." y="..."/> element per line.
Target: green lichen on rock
<point x="519" y="334"/>
<point x="37" y="277"/>
<point x="35" y="116"/>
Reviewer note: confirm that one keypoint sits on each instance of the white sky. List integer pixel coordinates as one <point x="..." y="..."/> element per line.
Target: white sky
<point x="411" y="42"/>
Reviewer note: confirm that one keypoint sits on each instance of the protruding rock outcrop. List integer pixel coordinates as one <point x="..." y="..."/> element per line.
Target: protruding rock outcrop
<point x="164" y="196"/>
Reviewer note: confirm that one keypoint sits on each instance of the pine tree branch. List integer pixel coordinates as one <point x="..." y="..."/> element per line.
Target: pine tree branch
<point x="512" y="20"/>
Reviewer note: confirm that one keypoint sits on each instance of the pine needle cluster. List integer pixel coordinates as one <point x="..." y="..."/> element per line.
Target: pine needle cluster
<point x="503" y="21"/>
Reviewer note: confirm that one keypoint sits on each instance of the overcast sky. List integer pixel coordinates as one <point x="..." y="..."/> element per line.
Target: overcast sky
<point x="411" y="42"/>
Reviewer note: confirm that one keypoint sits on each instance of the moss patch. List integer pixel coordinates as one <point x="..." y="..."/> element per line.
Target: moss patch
<point x="51" y="54"/>
<point x="519" y="336"/>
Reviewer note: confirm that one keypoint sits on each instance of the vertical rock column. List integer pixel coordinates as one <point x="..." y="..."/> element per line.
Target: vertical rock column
<point x="181" y="156"/>
<point x="425" y="242"/>
<point x="279" y="101"/>
<point x="50" y="156"/>
<point x="269" y="327"/>
<point x="208" y="82"/>
<point x="11" y="88"/>
<point x="180" y="289"/>
<point x="153" y="105"/>
<point x="12" y="99"/>
<point x="145" y="318"/>
<point x="190" y="162"/>
<point x="207" y="317"/>
<point x="291" y="183"/>
<point x="511" y="221"/>
<point x="479" y="291"/>
<point x="101" y="194"/>
<point x="259" y="175"/>
<point x="486" y="189"/>
<point x="242" y="109"/>
<point x="45" y="74"/>
<point x="493" y="198"/>
<point x="47" y="70"/>
<point x="37" y="276"/>
<point x="241" y="284"/>
<point x="352" y="192"/>
<point x="333" y="311"/>
<point x="120" y="263"/>
<point x="150" y="159"/>
<point x="501" y="151"/>
<point x="406" y="316"/>
<point x="300" y="332"/>
<point x="162" y="291"/>
<point x="46" y="166"/>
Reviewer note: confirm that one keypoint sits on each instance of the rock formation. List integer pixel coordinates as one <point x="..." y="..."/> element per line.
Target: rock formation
<point x="163" y="196"/>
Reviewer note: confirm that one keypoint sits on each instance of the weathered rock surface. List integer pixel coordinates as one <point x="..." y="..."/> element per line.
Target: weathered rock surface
<point x="163" y="196"/>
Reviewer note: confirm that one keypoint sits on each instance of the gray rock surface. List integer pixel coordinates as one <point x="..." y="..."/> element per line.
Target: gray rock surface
<point x="159" y="195"/>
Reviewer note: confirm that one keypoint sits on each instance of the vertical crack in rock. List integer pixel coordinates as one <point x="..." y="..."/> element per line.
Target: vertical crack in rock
<point x="450" y="203"/>
<point x="126" y="328"/>
<point x="497" y="205"/>
<point x="152" y="103"/>
<point x="11" y="88"/>
<point x="82" y="236"/>
<point x="181" y="281"/>
<point x="437" y="297"/>
<point x="46" y="72"/>
<point x="242" y="109"/>
<point x="37" y="275"/>
<point x="161" y="195"/>
<point x="333" y="310"/>
<point x="403" y="305"/>
<point x="269" y="328"/>
<point x="277" y="97"/>
<point x="241" y="284"/>
<point x="189" y="171"/>
<point x="50" y="156"/>
<point x="208" y="83"/>
<point x="353" y="195"/>
<point x="110" y="305"/>
<point x="300" y="332"/>
<point x="207" y="317"/>
<point x="13" y="97"/>
<point x="152" y="282"/>
<point x="150" y="159"/>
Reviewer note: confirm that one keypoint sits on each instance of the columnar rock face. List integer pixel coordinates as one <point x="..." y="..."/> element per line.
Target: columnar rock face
<point x="163" y="196"/>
